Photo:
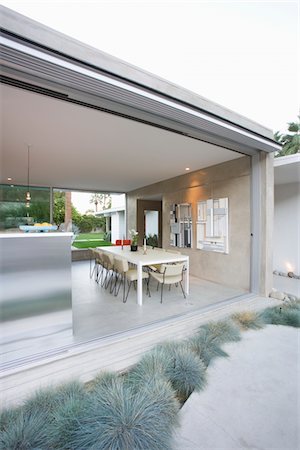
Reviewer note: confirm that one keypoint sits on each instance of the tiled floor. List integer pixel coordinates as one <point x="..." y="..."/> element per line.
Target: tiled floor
<point x="97" y="313"/>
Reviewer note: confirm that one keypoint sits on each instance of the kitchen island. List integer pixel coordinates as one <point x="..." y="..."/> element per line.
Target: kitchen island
<point x="35" y="274"/>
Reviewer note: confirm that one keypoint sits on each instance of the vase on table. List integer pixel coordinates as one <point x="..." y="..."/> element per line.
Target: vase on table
<point x="133" y="248"/>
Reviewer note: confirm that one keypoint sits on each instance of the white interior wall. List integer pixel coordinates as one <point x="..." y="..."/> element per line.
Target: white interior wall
<point x="117" y="226"/>
<point x="151" y="222"/>
<point x="286" y="228"/>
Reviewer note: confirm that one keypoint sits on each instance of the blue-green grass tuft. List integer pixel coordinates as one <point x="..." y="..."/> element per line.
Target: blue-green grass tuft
<point x="205" y="347"/>
<point x="222" y="331"/>
<point x="118" y="418"/>
<point x="288" y="315"/>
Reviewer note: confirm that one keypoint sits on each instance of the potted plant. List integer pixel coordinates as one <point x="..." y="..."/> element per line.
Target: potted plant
<point x="134" y="240"/>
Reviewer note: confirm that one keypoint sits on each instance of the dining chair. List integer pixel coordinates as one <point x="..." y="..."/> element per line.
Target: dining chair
<point x="156" y="267"/>
<point x="123" y="274"/>
<point x="108" y="266"/>
<point x="92" y="262"/>
<point x="96" y="257"/>
<point x="169" y="274"/>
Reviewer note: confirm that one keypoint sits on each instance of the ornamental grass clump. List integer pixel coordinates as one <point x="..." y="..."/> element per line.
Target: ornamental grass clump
<point x="26" y="431"/>
<point x="183" y="368"/>
<point x="149" y="367"/>
<point x="118" y="418"/>
<point x="287" y="314"/>
<point x="64" y="418"/>
<point x="46" y="400"/>
<point x="222" y="331"/>
<point x="174" y="362"/>
<point x="247" y="320"/>
<point x="103" y="379"/>
<point x="38" y="424"/>
<point x="205" y="347"/>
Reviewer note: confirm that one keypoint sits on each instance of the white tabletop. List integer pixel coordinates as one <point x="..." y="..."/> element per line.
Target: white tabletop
<point x="152" y="256"/>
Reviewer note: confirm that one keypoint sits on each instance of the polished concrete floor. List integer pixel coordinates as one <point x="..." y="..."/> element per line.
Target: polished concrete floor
<point x="97" y="313"/>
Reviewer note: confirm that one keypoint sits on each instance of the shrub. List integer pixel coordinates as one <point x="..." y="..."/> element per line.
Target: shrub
<point x="64" y="420"/>
<point x="8" y="415"/>
<point x="183" y="368"/>
<point x="46" y="400"/>
<point x="174" y="362"/>
<point x="104" y="379"/>
<point x="205" y="347"/>
<point x="118" y="418"/>
<point x="149" y="367"/>
<point x="248" y="320"/>
<point x="222" y="331"/>
<point x="282" y="315"/>
<point x="25" y="431"/>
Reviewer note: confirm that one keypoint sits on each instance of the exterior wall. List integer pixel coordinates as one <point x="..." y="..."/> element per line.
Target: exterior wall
<point x="232" y="180"/>
<point x="117" y="226"/>
<point x="286" y="228"/>
<point x="266" y="222"/>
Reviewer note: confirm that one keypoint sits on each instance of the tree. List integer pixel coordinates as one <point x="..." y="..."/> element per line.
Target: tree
<point x="103" y="200"/>
<point x="68" y="211"/>
<point x="291" y="141"/>
<point x="59" y="209"/>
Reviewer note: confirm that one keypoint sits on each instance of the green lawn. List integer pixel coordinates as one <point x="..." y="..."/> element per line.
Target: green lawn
<point x="87" y="236"/>
<point x="90" y="244"/>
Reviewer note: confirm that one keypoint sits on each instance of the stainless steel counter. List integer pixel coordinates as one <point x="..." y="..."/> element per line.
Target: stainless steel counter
<point x="35" y="274"/>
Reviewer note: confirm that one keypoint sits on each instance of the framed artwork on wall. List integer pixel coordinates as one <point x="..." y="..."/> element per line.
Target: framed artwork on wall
<point x="212" y="225"/>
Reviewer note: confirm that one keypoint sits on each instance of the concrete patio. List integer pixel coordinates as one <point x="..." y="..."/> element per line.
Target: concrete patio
<point x="97" y="314"/>
<point x="252" y="398"/>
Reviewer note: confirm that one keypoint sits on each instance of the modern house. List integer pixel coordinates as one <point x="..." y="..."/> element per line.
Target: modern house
<point x="97" y="124"/>
<point x="115" y="218"/>
<point x="286" y="223"/>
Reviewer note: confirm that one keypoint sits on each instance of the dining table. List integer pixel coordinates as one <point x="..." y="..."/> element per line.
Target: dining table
<point x="148" y="257"/>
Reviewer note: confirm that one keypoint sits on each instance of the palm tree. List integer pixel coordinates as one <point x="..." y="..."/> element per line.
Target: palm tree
<point x="104" y="200"/>
<point x="291" y="141"/>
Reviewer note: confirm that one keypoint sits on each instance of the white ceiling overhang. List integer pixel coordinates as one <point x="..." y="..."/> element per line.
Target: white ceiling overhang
<point x="93" y="131"/>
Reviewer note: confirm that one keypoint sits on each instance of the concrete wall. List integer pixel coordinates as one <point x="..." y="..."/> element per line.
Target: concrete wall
<point x="230" y="179"/>
<point x="286" y="228"/>
<point x="265" y="222"/>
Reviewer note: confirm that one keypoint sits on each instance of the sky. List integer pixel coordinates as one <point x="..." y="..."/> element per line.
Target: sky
<point x="241" y="54"/>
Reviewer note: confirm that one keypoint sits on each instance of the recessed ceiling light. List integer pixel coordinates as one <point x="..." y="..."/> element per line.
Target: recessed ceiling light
<point x="9" y="179"/>
<point x="187" y="168"/>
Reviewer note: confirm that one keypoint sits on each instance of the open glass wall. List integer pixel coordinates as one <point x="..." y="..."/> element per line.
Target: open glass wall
<point x="13" y="209"/>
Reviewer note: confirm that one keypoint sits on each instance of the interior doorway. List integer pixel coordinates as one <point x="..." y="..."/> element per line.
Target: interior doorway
<point x="149" y="221"/>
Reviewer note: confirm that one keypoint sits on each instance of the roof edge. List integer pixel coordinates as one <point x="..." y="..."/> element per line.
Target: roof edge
<point x="48" y="38"/>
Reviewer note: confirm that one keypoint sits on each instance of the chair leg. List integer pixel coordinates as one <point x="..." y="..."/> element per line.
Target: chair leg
<point x="112" y="283"/>
<point x="161" y="292"/>
<point x="99" y="274"/>
<point x="182" y="290"/>
<point x="119" y="278"/>
<point x="124" y="280"/>
<point x="124" y="301"/>
<point x="104" y="276"/>
<point x="148" y="289"/>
